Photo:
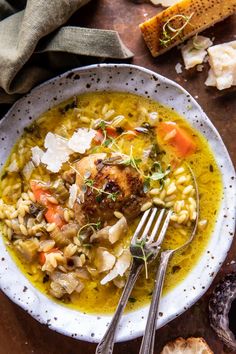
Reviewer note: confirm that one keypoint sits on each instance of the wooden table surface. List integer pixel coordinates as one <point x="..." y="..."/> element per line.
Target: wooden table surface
<point x="19" y="333"/>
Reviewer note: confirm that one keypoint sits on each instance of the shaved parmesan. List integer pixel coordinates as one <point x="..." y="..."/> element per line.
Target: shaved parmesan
<point x="164" y="3"/>
<point x="153" y="118"/>
<point x="222" y="59"/>
<point x="104" y="260"/>
<point x="27" y="170"/>
<point x="57" y="152"/>
<point x="178" y="68"/>
<point x="118" y="230"/>
<point x="73" y="195"/>
<point x="121" y="266"/>
<point x="81" y="140"/>
<point x="37" y="154"/>
<point x="58" y="149"/>
<point x="194" y="51"/>
<point x="13" y="167"/>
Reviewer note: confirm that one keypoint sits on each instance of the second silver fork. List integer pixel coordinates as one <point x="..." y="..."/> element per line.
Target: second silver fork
<point x="150" y="226"/>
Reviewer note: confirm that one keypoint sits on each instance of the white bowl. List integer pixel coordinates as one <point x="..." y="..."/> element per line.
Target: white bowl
<point x="128" y="78"/>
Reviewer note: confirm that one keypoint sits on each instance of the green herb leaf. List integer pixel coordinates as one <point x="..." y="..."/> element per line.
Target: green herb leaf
<point x="159" y="174"/>
<point x="146" y="185"/>
<point x="113" y="196"/>
<point x="107" y="142"/>
<point x="139" y="245"/>
<point x="89" y="182"/>
<point x="102" y="125"/>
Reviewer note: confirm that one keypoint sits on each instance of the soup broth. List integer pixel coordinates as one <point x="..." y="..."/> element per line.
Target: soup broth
<point x="137" y="136"/>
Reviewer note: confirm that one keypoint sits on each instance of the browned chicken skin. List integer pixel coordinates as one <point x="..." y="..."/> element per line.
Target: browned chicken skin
<point x="123" y="182"/>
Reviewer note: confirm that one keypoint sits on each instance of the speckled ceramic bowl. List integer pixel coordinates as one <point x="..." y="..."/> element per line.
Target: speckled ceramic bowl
<point x="149" y="84"/>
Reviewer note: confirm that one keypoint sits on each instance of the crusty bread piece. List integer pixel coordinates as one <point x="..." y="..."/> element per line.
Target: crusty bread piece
<point x="187" y="346"/>
<point x="205" y="14"/>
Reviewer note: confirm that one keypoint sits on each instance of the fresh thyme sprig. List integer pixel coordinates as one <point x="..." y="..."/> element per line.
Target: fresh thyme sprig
<point x="144" y="257"/>
<point x="102" y="125"/>
<point x="157" y="175"/>
<point x="90" y="183"/>
<point x="127" y="160"/>
<point x="94" y="225"/>
<point x="132" y="161"/>
<point x="167" y="29"/>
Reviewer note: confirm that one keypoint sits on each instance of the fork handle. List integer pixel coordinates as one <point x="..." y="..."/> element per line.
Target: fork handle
<point x="147" y="346"/>
<point x="106" y="344"/>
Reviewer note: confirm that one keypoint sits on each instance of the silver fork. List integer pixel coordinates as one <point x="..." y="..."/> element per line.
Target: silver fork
<point x="151" y="223"/>
<point x="148" y="341"/>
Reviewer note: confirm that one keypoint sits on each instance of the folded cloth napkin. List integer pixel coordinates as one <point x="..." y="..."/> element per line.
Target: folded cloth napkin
<point x="28" y="35"/>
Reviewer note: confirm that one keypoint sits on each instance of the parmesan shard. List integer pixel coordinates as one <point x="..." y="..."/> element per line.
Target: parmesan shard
<point x="118" y="230"/>
<point x="178" y="68"/>
<point x="203" y="13"/>
<point x="222" y="59"/>
<point x="104" y="260"/>
<point x="211" y="79"/>
<point x="13" y="167"/>
<point x="122" y="264"/>
<point x="57" y="152"/>
<point x="37" y="154"/>
<point x="194" y="51"/>
<point x="164" y="3"/>
<point x="73" y="195"/>
<point x="81" y="140"/>
<point x="28" y="170"/>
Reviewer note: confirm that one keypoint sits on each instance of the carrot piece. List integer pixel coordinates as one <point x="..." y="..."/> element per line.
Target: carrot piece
<point x="179" y="139"/>
<point x="99" y="137"/>
<point x="54" y="212"/>
<point x="111" y="131"/>
<point x="42" y="258"/>
<point x="39" y="193"/>
<point x="42" y="255"/>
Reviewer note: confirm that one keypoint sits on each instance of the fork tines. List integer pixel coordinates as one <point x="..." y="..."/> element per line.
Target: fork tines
<point x="150" y="223"/>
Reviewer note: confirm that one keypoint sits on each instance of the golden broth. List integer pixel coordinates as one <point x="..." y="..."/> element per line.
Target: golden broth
<point x="96" y="298"/>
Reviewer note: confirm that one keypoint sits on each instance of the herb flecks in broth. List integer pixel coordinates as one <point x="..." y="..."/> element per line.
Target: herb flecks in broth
<point x="76" y="182"/>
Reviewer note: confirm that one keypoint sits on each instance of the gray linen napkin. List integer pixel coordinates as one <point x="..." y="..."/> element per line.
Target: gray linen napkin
<point x="28" y="35"/>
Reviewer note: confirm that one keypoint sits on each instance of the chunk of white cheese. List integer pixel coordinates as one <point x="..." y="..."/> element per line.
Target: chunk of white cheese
<point x="104" y="260"/>
<point x="37" y="154"/>
<point x="59" y="149"/>
<point x="81" y="140"/>
<point x="222" y="59"/>
<point x="13" y="167"/>
<point x="165" y="3"/>
<point x="73" y="195"/>
<point x="57" y="152"/>
<point x="27" y="170"/>
<point x="122" y="264"/>
<point x="178" y="68"/>
<point x="194" y="51"/>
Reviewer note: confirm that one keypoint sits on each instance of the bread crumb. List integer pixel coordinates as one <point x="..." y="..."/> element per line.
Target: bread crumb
<point x="187" y="346"/>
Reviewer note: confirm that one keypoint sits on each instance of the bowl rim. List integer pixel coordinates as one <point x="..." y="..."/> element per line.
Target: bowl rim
<point x="225" y="247"/>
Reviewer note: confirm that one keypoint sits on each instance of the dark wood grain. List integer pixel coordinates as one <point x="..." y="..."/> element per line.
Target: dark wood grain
<point x="21" y="334"/>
